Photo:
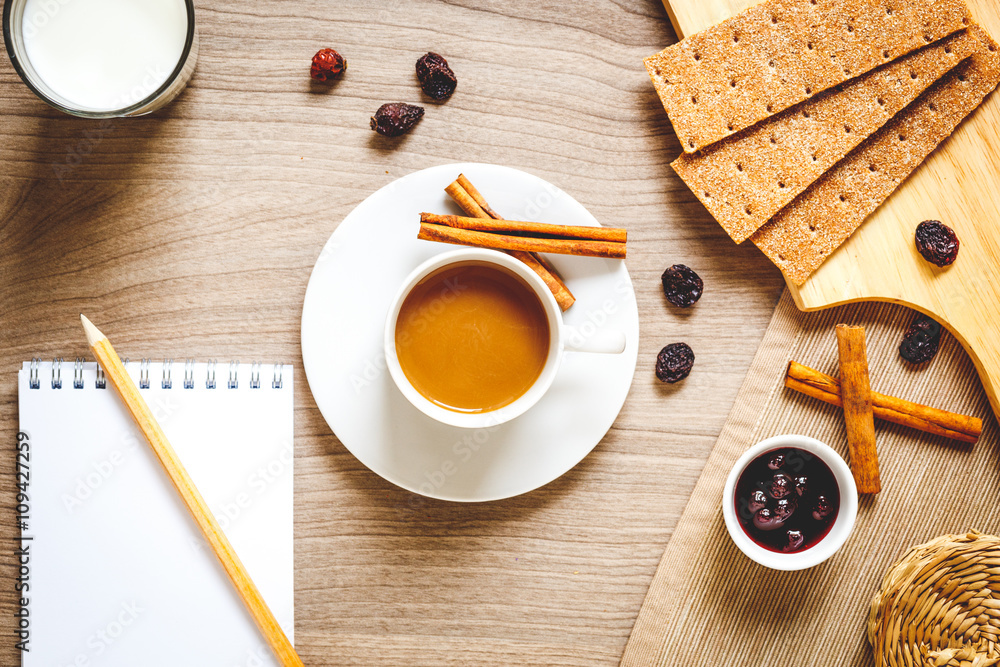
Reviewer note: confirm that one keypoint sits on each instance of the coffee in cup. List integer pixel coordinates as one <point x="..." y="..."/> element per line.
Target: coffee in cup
<point x="474" y="338"/>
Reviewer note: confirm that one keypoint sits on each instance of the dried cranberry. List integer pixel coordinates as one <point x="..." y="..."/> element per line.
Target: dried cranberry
<point x="436" y="78"/>
<point x="937" y="242"/>
<point x="920" y="343"/>
<point x="396" y="118"/>
<point x="327" y="64"/>
<point x="681" y="285"/>
<point x="674" y="362"/>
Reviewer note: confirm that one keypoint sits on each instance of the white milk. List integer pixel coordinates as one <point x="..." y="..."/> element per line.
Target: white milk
<point x="104" y="55"/>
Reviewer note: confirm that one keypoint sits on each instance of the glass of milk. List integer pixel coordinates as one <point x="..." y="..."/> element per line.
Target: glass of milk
<point x="102" y="58"/>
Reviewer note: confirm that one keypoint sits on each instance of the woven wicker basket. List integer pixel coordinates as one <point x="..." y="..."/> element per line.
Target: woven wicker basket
<point x="940" y="605"/>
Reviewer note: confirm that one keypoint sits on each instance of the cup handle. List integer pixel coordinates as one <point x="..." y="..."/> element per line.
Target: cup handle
<point x="601" y="342"/>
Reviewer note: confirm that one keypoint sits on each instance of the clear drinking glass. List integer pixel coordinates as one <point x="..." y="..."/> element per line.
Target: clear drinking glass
<point x="65" y="29"/>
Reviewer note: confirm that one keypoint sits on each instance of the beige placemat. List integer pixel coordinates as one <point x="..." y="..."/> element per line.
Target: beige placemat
<point x="710" y="605"/>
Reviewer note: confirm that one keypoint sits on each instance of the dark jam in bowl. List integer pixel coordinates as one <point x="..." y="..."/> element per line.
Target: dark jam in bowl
<point x="787" y="499"/>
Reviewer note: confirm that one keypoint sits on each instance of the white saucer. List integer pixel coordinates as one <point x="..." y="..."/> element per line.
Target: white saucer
<point x="349" y="293"/>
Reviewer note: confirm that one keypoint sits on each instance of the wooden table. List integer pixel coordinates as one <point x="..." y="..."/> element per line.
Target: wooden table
<point x="193" y="232"/>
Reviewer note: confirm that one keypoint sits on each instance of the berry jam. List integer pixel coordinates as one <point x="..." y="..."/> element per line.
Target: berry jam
<point x="787" y="499"/>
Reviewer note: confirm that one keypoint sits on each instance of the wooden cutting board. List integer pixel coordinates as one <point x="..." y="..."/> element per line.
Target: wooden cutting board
<point x="959" y="184"/>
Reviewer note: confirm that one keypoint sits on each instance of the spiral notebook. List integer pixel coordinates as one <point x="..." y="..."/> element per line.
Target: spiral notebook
<point x="116" y="572"/>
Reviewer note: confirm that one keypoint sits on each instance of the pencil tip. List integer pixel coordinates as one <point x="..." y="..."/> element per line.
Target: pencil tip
<point x="93" y="333"/>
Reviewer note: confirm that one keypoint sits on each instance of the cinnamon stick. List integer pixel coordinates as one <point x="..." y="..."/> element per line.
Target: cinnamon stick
<point x="473" y="203"/>
<point x="951" y="425"/>
<point x="465" y="200"/>
<point x="501" y="226"/>
<point x="477" y="197"/>
<point x="478" y="239"/>
<point x="563" y="296"/>
<point x="855" y="392"/>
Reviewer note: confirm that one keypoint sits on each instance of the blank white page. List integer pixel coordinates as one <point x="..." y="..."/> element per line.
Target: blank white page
<point x="119" y="573"/>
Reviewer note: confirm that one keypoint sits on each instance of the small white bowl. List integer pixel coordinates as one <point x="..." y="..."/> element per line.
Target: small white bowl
<point x="833" y="540"/>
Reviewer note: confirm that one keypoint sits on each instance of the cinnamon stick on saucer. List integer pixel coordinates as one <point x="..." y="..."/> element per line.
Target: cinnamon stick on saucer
<point x="540" y="229"/>
<point x="480" y="239"/>
<point x="473" y="203"/>
<point x="963" y="428"/>
<point x="467" y="185"/>
<point x="858" y="414"/>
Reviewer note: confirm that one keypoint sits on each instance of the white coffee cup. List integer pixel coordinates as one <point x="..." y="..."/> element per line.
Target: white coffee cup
<point x="561" y="338"/>
<point x="842" y="525"/>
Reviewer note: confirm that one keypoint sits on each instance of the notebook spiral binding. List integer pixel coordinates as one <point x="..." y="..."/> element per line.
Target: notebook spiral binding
<point x="189" y="373"/>
<point x="166" y="381"/>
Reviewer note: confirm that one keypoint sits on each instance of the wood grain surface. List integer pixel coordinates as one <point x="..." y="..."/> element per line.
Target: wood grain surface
<point x="747" y="615"/>
<point x="958" y="184"/>
<point x="207" y="218"/>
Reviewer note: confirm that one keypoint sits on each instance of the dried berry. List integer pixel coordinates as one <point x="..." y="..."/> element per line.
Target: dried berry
<point x="681" y="285"/>
<point x="436" y="78"/>
<point x="776" y="461"/>
<point x="674" y="362"/>
<point x="920" y="343"/>
<point x="937" y="242"/>
<point x="327" y="64"/>
<point x="396" y="118"/>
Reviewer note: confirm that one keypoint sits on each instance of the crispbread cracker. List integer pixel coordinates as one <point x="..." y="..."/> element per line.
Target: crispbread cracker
<point x="745" y="179"/>
<point x="804" y="233"/>
<point x="781" y="52"/>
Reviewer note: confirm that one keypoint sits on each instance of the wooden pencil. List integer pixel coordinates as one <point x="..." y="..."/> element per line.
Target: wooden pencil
<point x="143" y="416"/>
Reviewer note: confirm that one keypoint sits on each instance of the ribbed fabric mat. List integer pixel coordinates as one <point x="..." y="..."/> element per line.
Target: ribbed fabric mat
<point x="708" y="604"/>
